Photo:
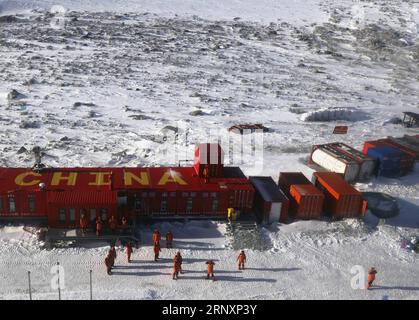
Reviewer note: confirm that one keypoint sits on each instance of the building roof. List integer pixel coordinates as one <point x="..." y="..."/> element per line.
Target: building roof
<point x="109" y="179"/>
<point x="268" y="189"/>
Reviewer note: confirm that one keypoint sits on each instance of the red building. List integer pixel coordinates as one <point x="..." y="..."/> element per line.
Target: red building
<point x="62" y="194"/>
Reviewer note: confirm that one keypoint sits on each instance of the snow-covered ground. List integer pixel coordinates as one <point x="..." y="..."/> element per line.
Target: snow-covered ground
<point x="99" y="85"/>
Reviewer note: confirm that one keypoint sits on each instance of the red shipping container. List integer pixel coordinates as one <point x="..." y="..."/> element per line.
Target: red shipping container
<point x="306" y="201"/>
<point x="286" y="179"/>
<point x="341" y="199"/>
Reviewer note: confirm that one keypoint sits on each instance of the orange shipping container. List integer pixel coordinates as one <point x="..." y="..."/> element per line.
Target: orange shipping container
<point x="341" y="199"/>
<point x="286" y="179"/>
<point x="306" y="201"/>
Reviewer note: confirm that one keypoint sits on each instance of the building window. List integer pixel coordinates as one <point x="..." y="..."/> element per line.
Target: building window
<point x="185" y="194"/>
<point x="12" y="205"/>
<point x="189" y="204"/>
<point x="215" y="204"/>
<point x="173" y="194"/>
<point x="137" y="204"/>
<point x="193" y="194"/>
<point x="104" y="214"/>
<point x="61" y="215"/>
<point x="163" y="205"/>
<point x="205" y="195"/>
<point x="92" y="214"/>
<point x="72" y="215"/>
<point x="1" y="204"/>
<point x="31" y="203"/>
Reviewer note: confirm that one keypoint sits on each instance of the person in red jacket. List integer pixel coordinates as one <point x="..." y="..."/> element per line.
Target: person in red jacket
<point x="371" y="277"/>
<point x="98" y="226"/>
<point x="112" y="253"/>
<point x="129" y="251"/>
<point x="84" y="223"/>
<point x="108" y="264"/>
<point x="177" y="265"/>
<point x="156" y="236"/>
<point x="169" y="239"/>
<point x="124" y="223"/>
<point x="112" y="224"/>
<point x="156" y="251"/>
<point x="241" y="260"/>
<point x="210" y="271"/>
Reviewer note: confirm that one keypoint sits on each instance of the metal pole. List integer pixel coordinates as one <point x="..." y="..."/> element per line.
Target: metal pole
<point x="29" y="282"/>
<point x="59" y="285"/>
<point x="91" y="291"/>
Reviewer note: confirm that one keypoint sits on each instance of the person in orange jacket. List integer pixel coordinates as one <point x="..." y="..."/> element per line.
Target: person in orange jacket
<point x="156" y="236"/>
<point x="169" y="239"/>
<point x="124" y="223"/>
<point x="98" y="226"/>
<point x="129" y="251"/>
<point x="177" y="265"/>
<point x="112" y="224"/>
<point x="84" y="223"/>
<point x="108" y="264"/>
<point x="179" y="261"/>
<point x="112" y="253"/>
<point x="371" y="277"/>
<point x="210" y="271"/>
<point x="241" y="259"/>
<point x="156" y="251"/>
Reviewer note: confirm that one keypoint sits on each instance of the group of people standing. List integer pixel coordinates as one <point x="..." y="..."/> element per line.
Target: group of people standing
<point x="99" y="224"/>
<point x="177" y="260"/>
<point x="111" y="257"/>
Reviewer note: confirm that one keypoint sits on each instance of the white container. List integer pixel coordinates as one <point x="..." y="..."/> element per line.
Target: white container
<point x="366" y="164"/>
<point x="336" y="162"/>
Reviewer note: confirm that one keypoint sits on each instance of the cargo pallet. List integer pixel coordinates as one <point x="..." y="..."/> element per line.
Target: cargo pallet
<point x="245" y="234"/>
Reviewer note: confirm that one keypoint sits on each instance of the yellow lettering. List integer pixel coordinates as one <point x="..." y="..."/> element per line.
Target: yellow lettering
<point x="142" y="179"/>
<point x="171" y="176"/>
<point x="100" y="179"/>
<point x="58" y="176"/>
<point x="20" y="179"/>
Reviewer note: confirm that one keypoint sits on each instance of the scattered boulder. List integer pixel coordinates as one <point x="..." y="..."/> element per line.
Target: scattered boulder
<point x="197" y="113"/>
<point x="22" y="150"/>
<point x="139" y="117"/>
<point x="14" y="94"/>
<point x="30" y="82"/>
<point x="87" y="104"/>
<point x="168" y="129"/>
<point x="25" y="124"/>
<point x="8" y="19"/>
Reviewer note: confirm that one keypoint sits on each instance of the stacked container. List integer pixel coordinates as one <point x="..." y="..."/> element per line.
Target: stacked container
<point x="412" y="139"/>
<point x="405" y="158"/>
<point x="341" y="199"/>
<point x="270" y="203"/>
<point x="389" y="161"/>
<point x="366" y="164"/>
<point x="334" y="160"/>
<point x="306" y="201"/>
<point x="407" y="143"/>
